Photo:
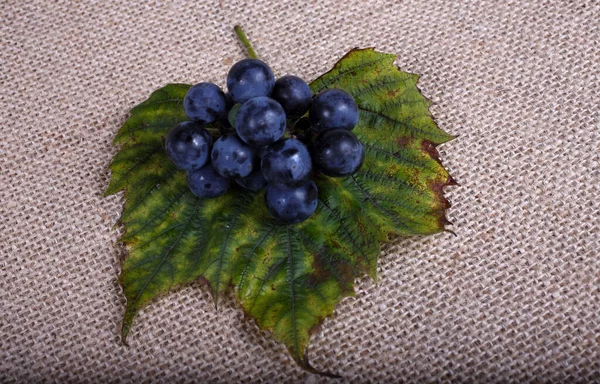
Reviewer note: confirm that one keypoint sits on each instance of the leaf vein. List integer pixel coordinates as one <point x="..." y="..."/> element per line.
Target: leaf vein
<point x="162" y="261"/>
<point x="372" y="200"/>
<point x="248" y="256"/>
<point x="159" y="214"/>
<point x="291" y="280"/>
<point x="345" y="230"/>
<point x="340" y="73"/>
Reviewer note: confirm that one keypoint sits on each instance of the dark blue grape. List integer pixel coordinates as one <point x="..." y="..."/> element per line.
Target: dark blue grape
<point x="255" y="181"/>
<point x="286" y="163"/>
<point x="205" y="102"/>
<point x="188" y="145"/>
<point x="333" y="109"/>
<point x="249" y="78"/>
<point x="338" y="153"/>
<point x="260" y="121"/>
<point x="206" y="182"/>
<point x="293" y="94"/>
<point x="231" y="157"/>
<point x="292" y="205"/>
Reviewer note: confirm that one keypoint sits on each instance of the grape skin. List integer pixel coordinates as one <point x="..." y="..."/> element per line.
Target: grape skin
<point x="188" y="145"/>
<point x="293" y="94"/>
<point x="231" y="157"/>
<point x="338" y="153"/>
<point x="286" y="163"/>
<point x="255" y="181"/>
<point x="333" y="109"/>
<point x="205" y="102"/>
<point x="260" y="121"/>
<point x="292" y="205"/>
<point x="206" y="182"/>
<point x="249" y="78"/>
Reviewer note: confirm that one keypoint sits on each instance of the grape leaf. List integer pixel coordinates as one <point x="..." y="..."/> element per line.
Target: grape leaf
<point x="288" y="278"/>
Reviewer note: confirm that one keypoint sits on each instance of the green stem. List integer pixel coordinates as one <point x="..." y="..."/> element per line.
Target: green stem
<point x="242" y="36"/>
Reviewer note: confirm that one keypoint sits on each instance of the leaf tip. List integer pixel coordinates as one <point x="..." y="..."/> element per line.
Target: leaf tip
<point x="446" y="137"/>
<point x="373" y="275"/>
<point x="203" y="281"/>
<point x="304" y="363"/>
<point x="443" y="222"/>
<point x="451" y="182"/>
<point x="125" y="331"/>
<point x="111" y="190"/>
<point x="429" y="148"/>
<point x="450" y="232"/>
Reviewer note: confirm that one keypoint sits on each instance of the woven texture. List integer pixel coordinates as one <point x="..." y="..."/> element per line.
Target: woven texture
<point x="514" y="297"/>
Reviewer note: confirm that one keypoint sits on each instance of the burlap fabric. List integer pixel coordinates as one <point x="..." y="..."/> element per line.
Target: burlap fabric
<point x="514" y="297"/>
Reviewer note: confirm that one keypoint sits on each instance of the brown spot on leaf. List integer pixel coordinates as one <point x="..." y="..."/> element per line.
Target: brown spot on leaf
<point x="303" y="360"/>
<point x="361" y="228"/>
<point x="203" y="281"/>
<point x="438" y="189"/>
<point x="429" y="148"/>
<point x="322" y="271"/>
<point x="451" y="181"/>
<point x="404" y="141"/>
<point x="315" y="328"/>
<point x="437" y="186"/>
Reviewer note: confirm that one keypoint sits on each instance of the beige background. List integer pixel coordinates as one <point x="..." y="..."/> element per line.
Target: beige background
<point x="514" y="297"/>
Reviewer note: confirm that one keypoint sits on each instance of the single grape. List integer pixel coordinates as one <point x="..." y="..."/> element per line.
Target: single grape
<point x="292" y="205"/>
<point x="188" y="145"/>
<point x="333" y="109"/>
<point x="260" y="121"/>
<point x="338" y="153"/>
<point x="231" y="157"/>
<point x="286" y="163"/>
<point x="293" y="94"/>
<point x="206" y="182"/>
<point x="255" y="181"/>
<point x="205" y="102"/>
<point x="249" y="78"/>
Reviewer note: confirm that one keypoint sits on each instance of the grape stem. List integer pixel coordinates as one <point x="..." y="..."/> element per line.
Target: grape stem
<point x="242" y="36"/>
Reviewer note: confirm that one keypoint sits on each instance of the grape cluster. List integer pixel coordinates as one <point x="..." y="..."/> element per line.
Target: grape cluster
<point x="257" y="155"/>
